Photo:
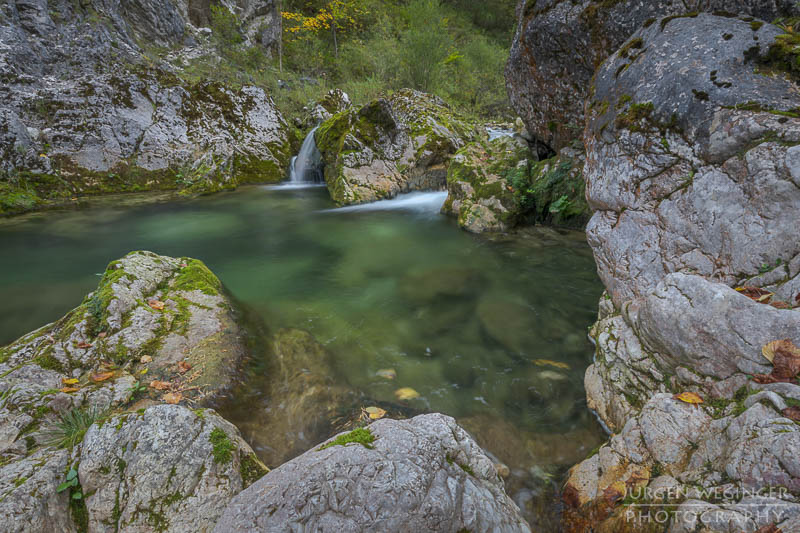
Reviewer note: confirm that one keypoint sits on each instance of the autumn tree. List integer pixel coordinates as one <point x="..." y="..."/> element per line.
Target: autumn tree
<point x="336" y="16"/>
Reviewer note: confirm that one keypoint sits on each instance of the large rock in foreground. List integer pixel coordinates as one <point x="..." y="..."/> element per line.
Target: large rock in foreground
<point x="390" y="146"/>
<point x="419" y="475"/>
<point x="85" y="110"/>
<point x="84" y="439"/>
<point x="559" y="44"/>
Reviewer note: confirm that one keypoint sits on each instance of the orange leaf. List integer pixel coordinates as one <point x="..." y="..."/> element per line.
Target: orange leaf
<point x="101" y="376"/>
<point x="183" y="366"/>
<point x="160" y="385"/>
<point x="172" y="397"/>
<point x="102" y="335"/>
<point x="83" y="345"/>
<point x="158" y="305"/>
<point x="756" y="293"/>
<point x="689" y="397"/>
<point x="69" y="389"/>
<point x="792" y="412"/>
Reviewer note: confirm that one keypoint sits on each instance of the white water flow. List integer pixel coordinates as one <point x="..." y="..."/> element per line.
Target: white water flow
<point x="306" y="166"/>
<point x="425" y="203"/>
<point x="496" y="133"/>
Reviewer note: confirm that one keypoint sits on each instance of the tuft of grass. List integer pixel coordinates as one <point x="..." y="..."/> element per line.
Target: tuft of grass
<point x="71" y="427"/>
<point x="222" y="446"/>
<point x="361" y="436"/>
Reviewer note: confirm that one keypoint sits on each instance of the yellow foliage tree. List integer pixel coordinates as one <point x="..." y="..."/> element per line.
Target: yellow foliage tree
<point x="337" y="15"/>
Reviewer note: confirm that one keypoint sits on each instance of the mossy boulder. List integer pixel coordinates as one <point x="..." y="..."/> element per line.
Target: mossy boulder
<point x="497" y="185"/>
<point x="157" y="330"/>
<point x="389" y="146"/>
<point x="122" y="115"/>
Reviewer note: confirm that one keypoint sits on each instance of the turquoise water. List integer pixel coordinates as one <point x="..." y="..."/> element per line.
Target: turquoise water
<point x="462" y="319"/>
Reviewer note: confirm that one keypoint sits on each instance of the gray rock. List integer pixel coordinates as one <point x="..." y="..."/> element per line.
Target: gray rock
<point x="168" y="469"/>
<point x="559" y="44"/>
<point x="423" y="474"/>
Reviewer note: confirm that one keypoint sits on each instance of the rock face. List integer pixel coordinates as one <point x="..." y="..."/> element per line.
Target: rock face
<point x="495" y="185"/>
<point x="390" y="146"/>
<point x="85" y="111"/>
<point x="559" y="44"/>
<point x="691" y="171"/>
<point x="151" y="315"/>
<point x="423" y="474"/>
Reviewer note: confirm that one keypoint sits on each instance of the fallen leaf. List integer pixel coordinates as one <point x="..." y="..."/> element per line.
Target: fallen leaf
<point x="83" y="345"/>
<point x="69" y="389"/>
<point x="386" y="373"/>
<point x="101" y="376"/>
<point x="614" y="492"/>
<point x="184" y="367"/>
<point x="785" y="358"/>
<point x="545" y="362"/>
<point x="797" y="298"/>
<point x="689" y="397"/>
<point x="158" y="305"/>
<point x="146" y="359"/>
<point x="160" y="385"/>
<point x="406" y="393"/>
<point x="375" y="413"/>
<point x="756" y="293"/>
<point x="172" y="397"/>
<point x="144" y="371"/>
<point x="769" y="528"/>
<point x="69" y="381"/>
<point x="102" y="335"/>
<point x="792" y="412"/>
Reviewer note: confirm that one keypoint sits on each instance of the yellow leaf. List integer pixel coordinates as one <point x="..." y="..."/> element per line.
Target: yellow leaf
<point x="158" y="305"/>
<point x="689" y="397"/>
<point x="69" y="389"/>
<point x="375" y="412"/>
<point x="172" y="397"/>
<point x="101" y="376"/>
<point x="406" y="393"/>
<point x="545" y="362"/>
<point x="144" y="371"/>
<point x="386" y="373"/>
<point x="69" y="381"/>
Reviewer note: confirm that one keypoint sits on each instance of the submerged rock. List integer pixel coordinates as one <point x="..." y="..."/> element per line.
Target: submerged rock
<point x="393" y="145"/>
<point x="559" y="44"/>
<point x="423" y="474"/>
<point x="86" y="110"/>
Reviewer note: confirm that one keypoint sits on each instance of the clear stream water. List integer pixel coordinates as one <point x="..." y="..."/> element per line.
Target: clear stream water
<point x="461" y="318"/>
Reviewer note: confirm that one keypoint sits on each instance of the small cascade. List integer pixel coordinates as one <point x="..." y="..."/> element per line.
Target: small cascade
<point x="306" y="166"/>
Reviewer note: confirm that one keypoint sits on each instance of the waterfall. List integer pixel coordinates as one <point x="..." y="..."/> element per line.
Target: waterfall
<point x="306" y="166"/>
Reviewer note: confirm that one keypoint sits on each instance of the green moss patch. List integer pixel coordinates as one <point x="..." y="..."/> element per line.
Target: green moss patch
<point x="222" y="446"/>
<point x="362" y="436"/>
<point x="251" y="469"/>
<point x="196" y="276"/>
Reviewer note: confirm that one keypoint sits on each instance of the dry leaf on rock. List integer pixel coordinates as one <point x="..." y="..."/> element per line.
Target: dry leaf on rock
<point x="83" y="345"/>
<point x="158" y="305"/>
<point x="689" y="397"/>
<point x="406" y="393"/>
<point x="172" y="397"/>
<point x="785" y="358"/>
<point x="69" y="389"/>
<point x="769" y="528"/>
<point x="183" y="367"/>
<point x="101" y="376"/>
<point x="102" y="335"/>
<point x="146" y="359"/>
<point x="756" y="293"/>
<point x="375" y="413"/>
<point x="160" y="385"/>
<point x="792" y="412"/>
<point x="69" y="381"/>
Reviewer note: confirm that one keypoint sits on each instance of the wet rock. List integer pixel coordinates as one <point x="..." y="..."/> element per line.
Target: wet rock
<point x="165" y="468"/>
<point x="423" y="474"/>
<point x="430" y="286"/>
<point x="559" y="44"/>
<point x="507" y="321"/>
<point x="390" y="146"/>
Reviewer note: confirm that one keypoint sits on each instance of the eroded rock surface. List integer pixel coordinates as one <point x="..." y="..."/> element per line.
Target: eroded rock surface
<point x="86" y="111"/>
<point x="691" y="130"/>
<point x="559" y="44"/>
<point x="423" y="474"/>
<point x="390" y="146"/>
